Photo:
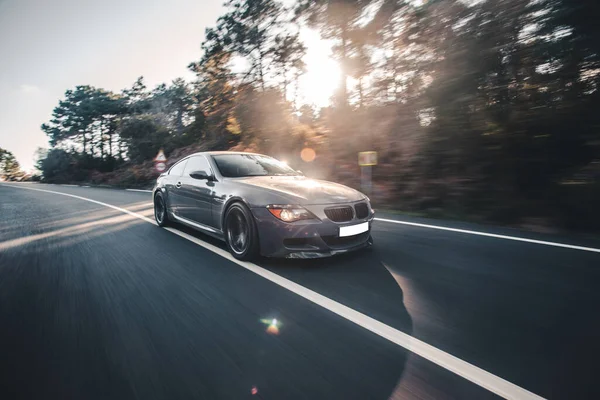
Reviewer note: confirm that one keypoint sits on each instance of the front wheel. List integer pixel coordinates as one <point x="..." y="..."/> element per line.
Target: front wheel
<point x="240" y="232"/>
<point x="160" y="210"/>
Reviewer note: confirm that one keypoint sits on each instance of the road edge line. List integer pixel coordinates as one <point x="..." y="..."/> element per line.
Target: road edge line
<point x="139" y="190"/>
<point x="492" y="235"/>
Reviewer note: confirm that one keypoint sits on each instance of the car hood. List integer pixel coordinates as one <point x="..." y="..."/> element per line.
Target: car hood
<point x="304" y="190"/>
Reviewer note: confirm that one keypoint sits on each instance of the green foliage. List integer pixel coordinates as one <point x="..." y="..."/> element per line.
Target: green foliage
<point x="56" y="166"/>
<point x="248" y="24"/>
<point x="145" y="137"/>
<point x="10" y="169"/>
<point x="215" y="93"/>
<point x="87" y="120"/>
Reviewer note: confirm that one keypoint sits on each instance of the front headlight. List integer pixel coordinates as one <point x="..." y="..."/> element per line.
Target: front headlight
<point x="290" y="213"/>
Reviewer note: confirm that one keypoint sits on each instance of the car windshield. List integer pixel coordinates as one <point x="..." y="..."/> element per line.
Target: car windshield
<point x="239" y="165"/>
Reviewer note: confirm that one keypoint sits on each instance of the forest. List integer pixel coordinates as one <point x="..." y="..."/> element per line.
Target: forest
<point x="480" y="110"/>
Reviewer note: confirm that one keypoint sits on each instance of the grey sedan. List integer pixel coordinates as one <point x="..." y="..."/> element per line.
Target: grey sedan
<point x="259" y="205"/>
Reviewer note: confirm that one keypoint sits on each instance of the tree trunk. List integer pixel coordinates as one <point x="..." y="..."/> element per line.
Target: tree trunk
<point x="260" y="69"/>
<point x="396" y="66"/>
<point x="101" y="140"/>
<point x="285" y="82"/>
<point x="344" y="83"/>
<point x="110" y="144"/>
<point x="396" y="99"/>
<point x="296" y="88"/>
<point x="122" y="148"/>
<point x="360" y="92"/>
<point x="179" y="122"/>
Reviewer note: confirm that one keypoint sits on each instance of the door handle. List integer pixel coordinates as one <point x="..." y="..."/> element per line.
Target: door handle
<point x="178" y="185"/>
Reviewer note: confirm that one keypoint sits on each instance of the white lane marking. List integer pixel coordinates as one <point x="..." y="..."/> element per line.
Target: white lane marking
<point x="139" y="190"/>
<point x="85" y="186"/>
<point x="491" y="382"/>
<point x="69" y="185"/>
<point x="493" y="235"/>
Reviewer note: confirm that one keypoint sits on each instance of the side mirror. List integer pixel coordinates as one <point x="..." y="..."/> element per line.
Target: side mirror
<point x="201" y="175"/>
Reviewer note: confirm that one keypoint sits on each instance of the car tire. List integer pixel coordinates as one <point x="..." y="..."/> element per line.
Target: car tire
<point x="241" y="235"/>
<point x="161" y="215"/>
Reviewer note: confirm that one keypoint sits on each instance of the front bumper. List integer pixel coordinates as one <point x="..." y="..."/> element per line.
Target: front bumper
<point x="308" y="238"/>
<point x="321" y="254"/>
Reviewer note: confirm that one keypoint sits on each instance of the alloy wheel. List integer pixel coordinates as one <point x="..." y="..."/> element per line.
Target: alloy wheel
<point x="238" y="231"/>
<point x="159" y="210"/>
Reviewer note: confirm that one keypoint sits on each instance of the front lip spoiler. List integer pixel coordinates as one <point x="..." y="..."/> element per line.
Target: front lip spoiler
<point x="323" y="254"/>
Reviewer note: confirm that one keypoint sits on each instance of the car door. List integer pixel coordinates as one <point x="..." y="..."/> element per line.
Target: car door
<point x="173" y="186"/>
<point x="196" y="193"/>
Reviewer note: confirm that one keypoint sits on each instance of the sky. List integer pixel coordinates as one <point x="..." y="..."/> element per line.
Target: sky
<point x="49" y="46"/>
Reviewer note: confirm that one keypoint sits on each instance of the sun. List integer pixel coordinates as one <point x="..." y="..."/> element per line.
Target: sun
<point x="322" y="75"/>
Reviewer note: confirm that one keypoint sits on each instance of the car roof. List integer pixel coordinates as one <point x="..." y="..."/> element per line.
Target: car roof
<point x="214" y="153"/>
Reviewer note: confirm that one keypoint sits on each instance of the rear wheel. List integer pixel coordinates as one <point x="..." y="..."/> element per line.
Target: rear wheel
<point x="160" y="210"/>
<point x="240" y="232"/>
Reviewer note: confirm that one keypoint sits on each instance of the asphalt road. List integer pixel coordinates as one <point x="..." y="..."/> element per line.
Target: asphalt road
<point x="96" y="303"/>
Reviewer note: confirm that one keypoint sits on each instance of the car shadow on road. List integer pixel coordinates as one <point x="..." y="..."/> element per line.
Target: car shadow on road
<point x="359" y="280"/>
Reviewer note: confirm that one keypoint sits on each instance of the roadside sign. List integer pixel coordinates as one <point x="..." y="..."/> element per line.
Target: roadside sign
<point x="160" y="157"/>
<point x="160" y="161"/>
<point x="367" y="158"/>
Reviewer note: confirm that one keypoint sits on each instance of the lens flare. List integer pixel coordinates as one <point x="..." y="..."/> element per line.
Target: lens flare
<point x="307" y="154"/>
<point x="273" y="325"/>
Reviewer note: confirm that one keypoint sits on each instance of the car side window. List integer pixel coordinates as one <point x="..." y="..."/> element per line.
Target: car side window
<point x="177" y="169"/>
<point x="197" y="163"/>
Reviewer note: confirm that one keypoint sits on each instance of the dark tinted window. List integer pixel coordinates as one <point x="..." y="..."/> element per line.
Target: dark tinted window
<point x="237" y="165"/>
<point x="197" y="163"/>
<point x="177" y="169"/>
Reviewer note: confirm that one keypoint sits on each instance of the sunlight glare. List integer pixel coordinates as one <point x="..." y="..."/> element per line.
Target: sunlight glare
<point x="323" y="74"/>
<point x="239" y="65"/>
